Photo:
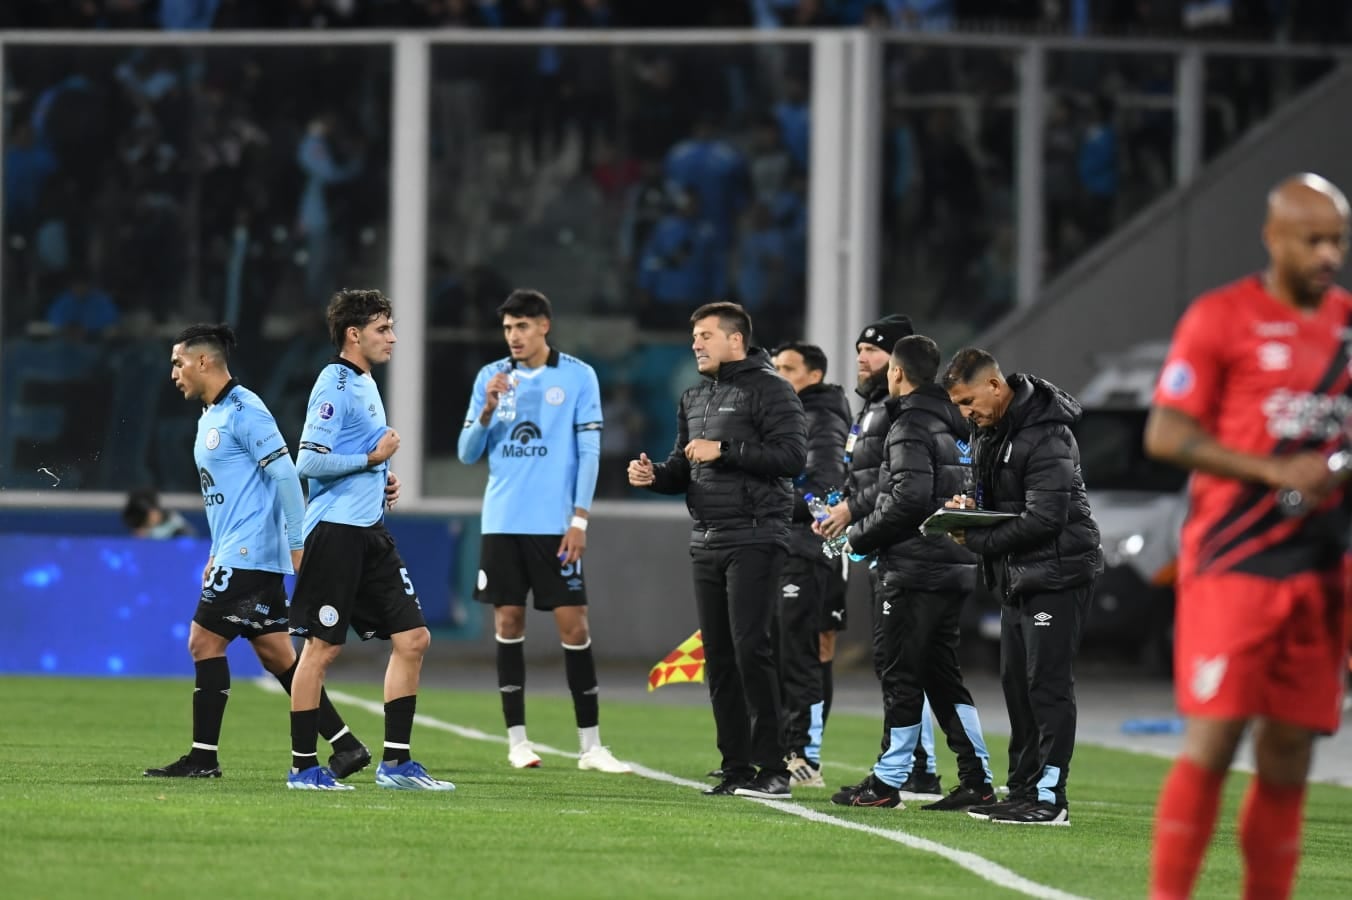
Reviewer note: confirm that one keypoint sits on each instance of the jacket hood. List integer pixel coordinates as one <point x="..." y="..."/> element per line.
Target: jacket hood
<point x="1038" y="401"/>
<point x="934" y="400"/>
<point x="756" y="358"/>
<point x="828" y="398"/>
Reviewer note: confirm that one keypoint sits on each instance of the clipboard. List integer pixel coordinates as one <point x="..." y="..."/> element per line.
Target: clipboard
<point x="944" y="520"/>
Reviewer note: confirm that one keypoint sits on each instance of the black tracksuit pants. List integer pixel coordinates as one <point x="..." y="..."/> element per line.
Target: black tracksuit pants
<point x="1039" y="638"/>
<point x="804" y="585"/>
<point x="736" y="591"/>
<point x="881" y="654"/>
<point x="919" y="634"/>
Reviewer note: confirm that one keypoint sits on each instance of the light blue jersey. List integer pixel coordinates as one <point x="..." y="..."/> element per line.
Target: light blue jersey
<point x="249" y="484"/>
<point x="344" y="422"/>
<point x="543" y="464"/>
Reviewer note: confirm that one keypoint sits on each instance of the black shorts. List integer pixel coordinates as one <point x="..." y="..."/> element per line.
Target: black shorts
<point x="242" y="603"/>
<point x="511" y="565"/>
<point x="353" y="575"/>
<point x="834" y="616"/>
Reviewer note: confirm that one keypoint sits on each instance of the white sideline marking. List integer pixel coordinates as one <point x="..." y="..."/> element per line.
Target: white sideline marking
<point x="978" y="865"/>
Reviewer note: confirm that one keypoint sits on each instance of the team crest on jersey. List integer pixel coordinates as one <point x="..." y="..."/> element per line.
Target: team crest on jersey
<point x="326" y="410"/>
<point x="213" y="439"/>
<point x="1274" y="356"/>
<point x="1177" y="378"/>
<point x="554" y="396"/>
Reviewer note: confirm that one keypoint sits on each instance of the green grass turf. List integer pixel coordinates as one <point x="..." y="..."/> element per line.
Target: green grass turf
<point x="78" y="820"/>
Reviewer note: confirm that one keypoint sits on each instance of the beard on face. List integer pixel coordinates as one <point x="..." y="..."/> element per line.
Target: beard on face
<point x="874" y="380"/>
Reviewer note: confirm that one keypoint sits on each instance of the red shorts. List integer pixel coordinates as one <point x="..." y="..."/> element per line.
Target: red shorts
<point x="1246" y="646"/>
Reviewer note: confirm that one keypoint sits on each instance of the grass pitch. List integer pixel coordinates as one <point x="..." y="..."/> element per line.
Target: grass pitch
<point x="77" y="820"/>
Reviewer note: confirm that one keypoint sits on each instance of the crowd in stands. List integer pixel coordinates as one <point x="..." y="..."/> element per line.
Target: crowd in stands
<point x="1314" y="20"/>
<point x="146" y="187"/>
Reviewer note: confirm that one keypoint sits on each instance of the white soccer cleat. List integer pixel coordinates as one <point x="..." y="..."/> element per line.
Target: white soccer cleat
<point x="804" y="774"/>
<point x="523" y="756"/>
<point x="600" y="759"/>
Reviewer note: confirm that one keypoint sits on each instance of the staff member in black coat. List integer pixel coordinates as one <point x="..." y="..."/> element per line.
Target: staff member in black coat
<point x="810" y="582"/>
<point x="741" y="438"/>
<point x="864" y="456"/>
<point x="923" y="582"/>
<point x="1042" y="566"/>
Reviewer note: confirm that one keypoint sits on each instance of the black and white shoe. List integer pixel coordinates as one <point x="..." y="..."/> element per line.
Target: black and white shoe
<point x="184" y="767"/>
<point x="1038" y="813"/>
<point x="921" y="786"/>
<point x="985" y="811"/>
<point x="962" y="798"/>
<point x="768" y="785"/>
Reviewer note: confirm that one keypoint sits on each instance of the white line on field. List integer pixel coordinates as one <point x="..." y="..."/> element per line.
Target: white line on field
<point x="978" y="865"/>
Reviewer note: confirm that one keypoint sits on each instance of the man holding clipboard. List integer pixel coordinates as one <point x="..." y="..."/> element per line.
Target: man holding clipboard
<point x="1041" y="564"/>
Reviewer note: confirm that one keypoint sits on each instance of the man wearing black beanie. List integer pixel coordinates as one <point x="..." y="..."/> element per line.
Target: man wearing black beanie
<point x="864" y="457"/>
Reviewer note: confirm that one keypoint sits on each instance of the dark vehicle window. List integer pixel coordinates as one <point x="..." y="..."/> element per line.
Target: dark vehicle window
<point x="1112" y="457"/>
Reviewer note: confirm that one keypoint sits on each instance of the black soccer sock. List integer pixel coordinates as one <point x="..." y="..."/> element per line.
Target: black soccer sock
<point x="399" y="728"/>
<point x="580" y="667"/>
<point x="512" y="680"/>
<point x="828" y="689"/>
<point x="304" y="738"/>
<point x="210" y="693"/>
<point x="332" y="726"/>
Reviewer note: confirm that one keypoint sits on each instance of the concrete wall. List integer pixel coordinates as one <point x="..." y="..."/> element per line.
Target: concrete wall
<point x="1134" y="287"/>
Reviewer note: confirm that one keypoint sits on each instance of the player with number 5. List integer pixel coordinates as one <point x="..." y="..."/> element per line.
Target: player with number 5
<point x="254" y="509"/>
<point x="352" y="575"/>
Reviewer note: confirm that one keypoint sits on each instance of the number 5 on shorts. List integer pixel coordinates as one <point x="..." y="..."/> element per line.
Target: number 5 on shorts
<point x="408" y="582"/>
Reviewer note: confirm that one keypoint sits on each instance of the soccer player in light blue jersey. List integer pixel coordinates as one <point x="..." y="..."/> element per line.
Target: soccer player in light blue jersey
<point x="353" y="575"/>
<point x="254" y="508"/>
<point x="542" y="467"/>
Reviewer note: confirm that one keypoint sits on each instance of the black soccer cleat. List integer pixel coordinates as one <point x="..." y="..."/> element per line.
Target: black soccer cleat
<point x="184" y="767"/>
<point x="767" y="785"/>
<point x="921" y="786"/>
<point x="963" y="797"/>
<point x="349" y="762"/>
<point x="1036" y="813"/>
<point x="870" y="792"/>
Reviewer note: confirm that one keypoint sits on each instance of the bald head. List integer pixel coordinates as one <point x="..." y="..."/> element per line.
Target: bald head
<point x="1306" y="235"/>
<point x="1306" y="195"/>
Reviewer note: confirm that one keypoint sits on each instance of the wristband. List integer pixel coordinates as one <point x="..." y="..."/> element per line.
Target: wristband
<point x="578" y="522"/>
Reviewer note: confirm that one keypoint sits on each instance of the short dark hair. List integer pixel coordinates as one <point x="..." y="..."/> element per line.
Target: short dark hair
<point x="526" y="304"/>
<point x="140" y="501"/>
<point x="966" y="364"/>
<point x="918" y="358"/>
<point x="732" y="318"/>
<point x="814" y="357"/>
<point x="220" y="338"/>
<point x="353" y="308"/>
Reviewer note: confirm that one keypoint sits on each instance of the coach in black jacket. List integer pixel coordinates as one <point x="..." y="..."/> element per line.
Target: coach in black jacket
<point x="741" y="438"/>
<point x="810" y="582"/>
<point x="1042" y="566"/>
<point x="924" y="581"/>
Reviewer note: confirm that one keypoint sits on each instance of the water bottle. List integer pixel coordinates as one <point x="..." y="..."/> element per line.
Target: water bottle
<point x="507" y="399"/>
<point x="820" y="509"/>
<point x="1290" y="501"/>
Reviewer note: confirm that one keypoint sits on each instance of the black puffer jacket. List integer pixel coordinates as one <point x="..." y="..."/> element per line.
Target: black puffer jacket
<point x="867" y="454"/>
<point x="745" y="496"/>
<point x="828" y="423"/>
<point x="923" y="465"/>
<point x="1030" y="464"/>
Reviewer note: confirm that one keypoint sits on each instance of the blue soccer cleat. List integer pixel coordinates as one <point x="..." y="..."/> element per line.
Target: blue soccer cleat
<point x="315" y="778"/>
<point x="409" y="776"/>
